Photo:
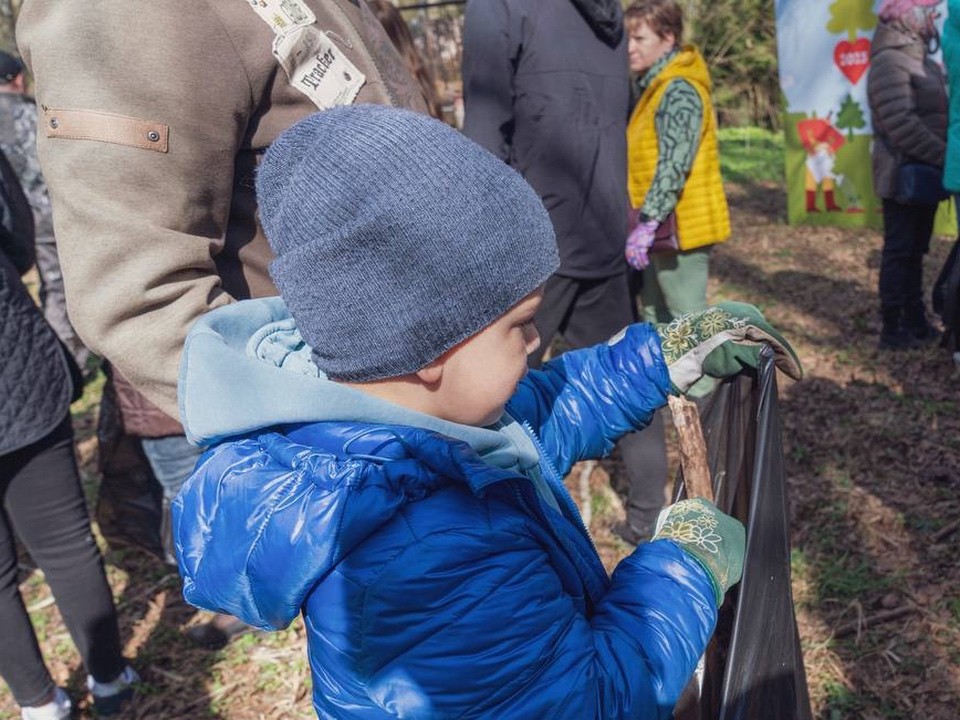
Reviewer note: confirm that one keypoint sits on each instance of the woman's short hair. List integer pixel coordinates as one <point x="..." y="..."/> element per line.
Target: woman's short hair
<point x="664" y="17"/>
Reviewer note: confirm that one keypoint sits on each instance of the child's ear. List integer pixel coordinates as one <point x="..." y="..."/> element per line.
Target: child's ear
<point x="430" y="375"/>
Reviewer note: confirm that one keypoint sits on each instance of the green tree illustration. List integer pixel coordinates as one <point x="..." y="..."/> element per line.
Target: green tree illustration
<point x="851" y="15"/>
<point x="850" y="117"/>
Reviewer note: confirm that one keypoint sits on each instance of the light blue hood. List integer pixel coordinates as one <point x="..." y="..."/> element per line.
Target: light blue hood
<point x="245" y="367"/>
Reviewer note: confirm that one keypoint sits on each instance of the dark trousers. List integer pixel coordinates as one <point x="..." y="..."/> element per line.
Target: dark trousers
<point x="43" y="503"/>
<point x="906" y="239"/>
<point x="587" y="312"/>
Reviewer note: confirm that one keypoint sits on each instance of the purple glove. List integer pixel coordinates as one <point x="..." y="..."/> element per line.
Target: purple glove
<point x="639" y="242"/>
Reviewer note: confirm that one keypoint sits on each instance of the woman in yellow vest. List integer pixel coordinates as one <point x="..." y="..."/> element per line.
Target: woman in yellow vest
<point x="673" y="164"/>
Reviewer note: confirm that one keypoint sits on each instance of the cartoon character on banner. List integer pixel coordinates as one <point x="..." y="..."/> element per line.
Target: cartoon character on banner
<point x="821" y="140"/>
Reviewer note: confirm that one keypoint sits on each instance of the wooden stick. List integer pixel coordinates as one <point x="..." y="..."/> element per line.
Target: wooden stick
<point x="696" y="479"/>
<point x="946" y="531"/>
<point x="693" y="448"/>
<point x="865" y="623"/>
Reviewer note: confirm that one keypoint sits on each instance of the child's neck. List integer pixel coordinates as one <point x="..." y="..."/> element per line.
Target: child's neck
<point x="408" y="391"/>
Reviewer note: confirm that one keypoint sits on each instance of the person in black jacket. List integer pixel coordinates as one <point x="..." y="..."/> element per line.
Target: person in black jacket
<point x="42" y="499"/>
<point x="907" y="95"/>
<point x="18" y="141"/>
<point x="547" y="89"/>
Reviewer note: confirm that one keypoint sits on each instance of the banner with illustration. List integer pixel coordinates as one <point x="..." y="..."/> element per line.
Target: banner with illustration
<point x="824" y="57"/>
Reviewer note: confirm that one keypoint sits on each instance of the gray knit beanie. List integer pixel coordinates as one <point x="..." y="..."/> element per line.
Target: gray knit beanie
<point x="396" y="237"/>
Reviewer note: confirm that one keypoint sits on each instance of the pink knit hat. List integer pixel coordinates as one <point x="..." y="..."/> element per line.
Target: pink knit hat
<point x="896" y="9"/>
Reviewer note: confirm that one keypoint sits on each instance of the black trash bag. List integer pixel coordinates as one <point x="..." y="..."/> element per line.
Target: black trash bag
<point x="753" y="667"/>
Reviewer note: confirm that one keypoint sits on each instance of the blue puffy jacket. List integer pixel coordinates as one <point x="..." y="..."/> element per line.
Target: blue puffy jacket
<point x="442" y="571"/>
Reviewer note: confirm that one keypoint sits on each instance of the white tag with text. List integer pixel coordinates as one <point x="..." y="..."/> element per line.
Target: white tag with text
<point x="284" y="15"/>
<point x="317" y="67"/>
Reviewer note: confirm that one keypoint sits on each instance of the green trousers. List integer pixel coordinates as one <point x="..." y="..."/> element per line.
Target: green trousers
<point x="674" y="284"/>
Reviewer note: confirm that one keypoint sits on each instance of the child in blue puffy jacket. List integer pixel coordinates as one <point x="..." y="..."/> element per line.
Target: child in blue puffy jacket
<point x="383" y="463"/>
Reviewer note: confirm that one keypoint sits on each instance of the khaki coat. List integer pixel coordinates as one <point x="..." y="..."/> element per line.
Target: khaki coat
<point x="154" y="117"/>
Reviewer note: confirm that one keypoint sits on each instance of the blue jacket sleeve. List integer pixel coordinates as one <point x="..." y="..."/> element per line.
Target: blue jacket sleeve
<point x="490" y="50"/>
<point x="582" y="402"/>
<point x="496" y="610"/>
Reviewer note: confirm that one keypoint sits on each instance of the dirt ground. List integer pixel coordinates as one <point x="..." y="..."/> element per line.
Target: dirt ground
<point x="872" y="446"/>
<point x="872" y="455"/>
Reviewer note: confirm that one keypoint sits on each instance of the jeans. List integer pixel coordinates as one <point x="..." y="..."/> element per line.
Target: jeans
<point x="172" y="460"/>
<point x="906" y="239"/>
<point x="44" y="504"/>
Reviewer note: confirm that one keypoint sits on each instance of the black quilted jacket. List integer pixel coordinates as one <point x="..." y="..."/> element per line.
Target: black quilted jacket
<point x="35" y="379"/>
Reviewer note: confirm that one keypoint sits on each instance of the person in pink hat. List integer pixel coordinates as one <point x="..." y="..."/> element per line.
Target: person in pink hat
<point x="908" y="101"/>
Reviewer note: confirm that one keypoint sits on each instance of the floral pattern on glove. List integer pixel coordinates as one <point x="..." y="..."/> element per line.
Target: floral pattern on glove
<point x="716" y="540"/>
<point x="699" y="531"/>
<point x="687" y="331"/>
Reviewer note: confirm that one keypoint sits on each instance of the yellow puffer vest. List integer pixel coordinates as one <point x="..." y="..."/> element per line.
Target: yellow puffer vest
<point x="702" y="215"/>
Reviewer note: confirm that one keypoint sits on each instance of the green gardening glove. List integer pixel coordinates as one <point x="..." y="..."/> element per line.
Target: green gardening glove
<point x="715" y="540"/>
<point x="720" y="341"/>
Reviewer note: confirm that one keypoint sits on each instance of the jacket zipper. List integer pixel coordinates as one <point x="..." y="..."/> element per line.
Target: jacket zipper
<point x="555" y="483"/>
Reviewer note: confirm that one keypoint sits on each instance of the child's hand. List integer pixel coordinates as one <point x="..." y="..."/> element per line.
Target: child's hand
<point x="715" y="540"/>
<point x="720" y="341"/>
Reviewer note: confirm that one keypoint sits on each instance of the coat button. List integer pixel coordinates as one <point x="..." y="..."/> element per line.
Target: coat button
<point x="54" y="123"/>
<point x="153" y="136"/>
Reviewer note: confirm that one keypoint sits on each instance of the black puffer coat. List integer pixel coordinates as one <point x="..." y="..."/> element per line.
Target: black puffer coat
<point x="907" y="93"/>
<point x="36" y="380"/>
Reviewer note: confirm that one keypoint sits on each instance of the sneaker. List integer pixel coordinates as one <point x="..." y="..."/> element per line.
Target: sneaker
<point x="109" y="697"/>
<point x="57" y="709"/>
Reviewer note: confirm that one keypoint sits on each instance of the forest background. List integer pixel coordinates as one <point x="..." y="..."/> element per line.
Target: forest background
<point x="737" y="38"/>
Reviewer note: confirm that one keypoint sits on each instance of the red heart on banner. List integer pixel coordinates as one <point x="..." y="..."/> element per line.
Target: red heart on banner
<point x="853" y="58"/>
